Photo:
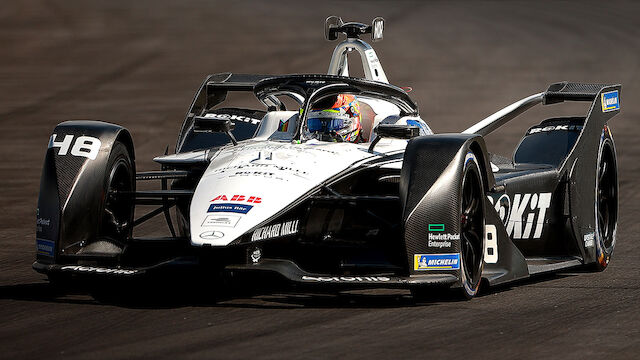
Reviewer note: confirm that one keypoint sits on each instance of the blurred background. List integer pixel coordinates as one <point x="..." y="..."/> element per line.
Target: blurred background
<point x="139" y="63"/>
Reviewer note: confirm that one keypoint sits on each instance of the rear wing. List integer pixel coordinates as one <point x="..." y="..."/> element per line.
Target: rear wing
<point x="212" y="92"/>
<point x="578" y="170"/>
<point x="605" y="98"/>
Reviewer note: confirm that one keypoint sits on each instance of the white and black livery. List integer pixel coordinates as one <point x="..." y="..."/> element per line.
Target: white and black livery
<point x="246" y="190"/>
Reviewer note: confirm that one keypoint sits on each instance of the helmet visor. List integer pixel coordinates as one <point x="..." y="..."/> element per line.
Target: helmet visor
<point x="325" y="124"/>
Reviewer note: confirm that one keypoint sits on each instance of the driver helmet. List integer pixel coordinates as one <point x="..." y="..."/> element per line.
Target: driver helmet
<point x="335" y="118"/>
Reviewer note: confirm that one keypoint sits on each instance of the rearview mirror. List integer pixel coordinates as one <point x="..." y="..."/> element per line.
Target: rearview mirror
<point x="211" y="124"/>
<point x="214" y="125"/>
<point x="393" y="131"/>
<point x="397" y="131"/>
<point x="377" y="27"/>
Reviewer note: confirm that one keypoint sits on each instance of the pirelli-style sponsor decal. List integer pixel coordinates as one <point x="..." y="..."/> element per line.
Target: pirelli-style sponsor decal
<point x="436" y="261"/>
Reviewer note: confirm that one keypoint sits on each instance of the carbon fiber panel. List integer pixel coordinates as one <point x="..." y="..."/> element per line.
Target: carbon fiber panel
<point x="562" y="91"/>
<point x="67" y="170"/>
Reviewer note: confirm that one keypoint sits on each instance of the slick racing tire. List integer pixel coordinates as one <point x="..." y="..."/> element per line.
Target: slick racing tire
<point x="471" y="227"/>
<point x="606" y="204"/>
<point x="117" y="209"/>
<point x="471" y="239"/>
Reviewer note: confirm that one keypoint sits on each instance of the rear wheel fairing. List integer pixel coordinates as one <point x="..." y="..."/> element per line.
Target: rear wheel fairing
<point x="250" y="183"/>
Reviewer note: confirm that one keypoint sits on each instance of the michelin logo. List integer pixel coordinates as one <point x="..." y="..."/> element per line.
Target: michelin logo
<point x="436" y="261"/>
<point x="610" y="101"/>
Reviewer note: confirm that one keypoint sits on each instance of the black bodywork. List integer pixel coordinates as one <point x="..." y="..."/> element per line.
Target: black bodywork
<point x="364" y="226"/>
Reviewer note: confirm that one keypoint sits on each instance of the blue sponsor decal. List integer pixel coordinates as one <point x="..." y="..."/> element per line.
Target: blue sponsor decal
<point x="436" y="261"/>
<point x="610" y="101"/>
<point x="234" y="208"/>
<point x="45" y="247"/>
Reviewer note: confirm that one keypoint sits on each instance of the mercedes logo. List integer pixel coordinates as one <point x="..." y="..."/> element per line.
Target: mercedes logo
<point x="212" y="235"/>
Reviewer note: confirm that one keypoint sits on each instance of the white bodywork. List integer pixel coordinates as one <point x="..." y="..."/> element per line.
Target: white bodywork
<point x="245" y="185"/>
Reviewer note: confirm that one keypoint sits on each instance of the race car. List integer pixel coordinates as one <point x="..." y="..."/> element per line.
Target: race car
<point x="337" y="181"/>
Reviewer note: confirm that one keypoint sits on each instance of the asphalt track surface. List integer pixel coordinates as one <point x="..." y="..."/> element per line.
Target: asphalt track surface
<point x="138" y="63"/>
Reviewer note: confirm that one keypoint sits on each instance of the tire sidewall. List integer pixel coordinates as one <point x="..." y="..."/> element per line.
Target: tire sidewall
<point x="603" y="254"/>
<point x="470" y="286"/>
<point x="119" y="153"/>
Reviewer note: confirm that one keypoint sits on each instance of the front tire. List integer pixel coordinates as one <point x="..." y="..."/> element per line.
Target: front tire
<point x="471" y="238"/>
<point x="471" y="227"/>
<point x="115" y="225"/>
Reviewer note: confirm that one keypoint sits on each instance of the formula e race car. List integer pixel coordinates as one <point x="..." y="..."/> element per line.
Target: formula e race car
<point x="286" y="190"/>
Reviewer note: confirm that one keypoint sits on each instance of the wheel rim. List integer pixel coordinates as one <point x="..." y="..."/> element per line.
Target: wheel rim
<point x="607" y="198"/>
<point x="471" y="225"/>
<point x="118" y="209"/>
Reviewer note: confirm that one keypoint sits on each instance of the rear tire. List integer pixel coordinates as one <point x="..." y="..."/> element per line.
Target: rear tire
<point x="606" y="204"/>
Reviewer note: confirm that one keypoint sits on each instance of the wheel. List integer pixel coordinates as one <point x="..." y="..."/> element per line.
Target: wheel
<point x="117" y="209"/>
<point x="471" y="239"/>
<point x="471" y="227"/>
<point x="606" y="204"/>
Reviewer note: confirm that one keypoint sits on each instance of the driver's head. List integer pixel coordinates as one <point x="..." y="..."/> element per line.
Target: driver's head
<point x="335" y="118"/>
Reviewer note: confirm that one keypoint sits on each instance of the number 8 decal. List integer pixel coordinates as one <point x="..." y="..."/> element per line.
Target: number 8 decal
<point x="491" y="241"/>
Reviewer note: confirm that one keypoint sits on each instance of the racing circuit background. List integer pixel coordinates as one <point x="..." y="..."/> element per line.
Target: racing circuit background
<point x="138" y="63"/>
